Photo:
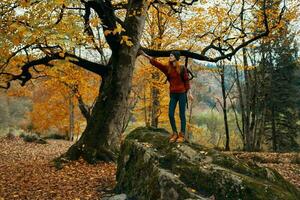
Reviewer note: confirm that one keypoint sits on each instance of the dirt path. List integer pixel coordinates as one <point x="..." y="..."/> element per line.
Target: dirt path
<point x="27" y="173"/>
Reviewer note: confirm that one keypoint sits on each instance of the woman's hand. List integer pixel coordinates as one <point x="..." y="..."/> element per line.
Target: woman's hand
<point x="141" y="52"/>
<point x="191" y="97"/>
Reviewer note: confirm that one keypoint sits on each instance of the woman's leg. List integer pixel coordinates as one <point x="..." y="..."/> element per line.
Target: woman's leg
<point x="172" y="107"/>
<point x="182" y="104"/>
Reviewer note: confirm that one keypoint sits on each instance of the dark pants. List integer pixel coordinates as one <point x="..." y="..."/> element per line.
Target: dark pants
<point x="174" y="98"/>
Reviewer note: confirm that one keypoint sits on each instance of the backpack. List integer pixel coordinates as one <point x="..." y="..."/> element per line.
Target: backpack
<point x="183" y="68"/>
<point x="190" y="74"/>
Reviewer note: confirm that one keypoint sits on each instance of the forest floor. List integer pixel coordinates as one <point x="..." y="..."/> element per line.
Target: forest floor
<point x="26" y="171"/>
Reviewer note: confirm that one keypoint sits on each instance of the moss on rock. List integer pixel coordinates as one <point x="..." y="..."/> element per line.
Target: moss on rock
<point x="151" y="168"/>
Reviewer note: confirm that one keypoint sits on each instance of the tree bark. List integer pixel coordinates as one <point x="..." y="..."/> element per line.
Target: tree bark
<point x="247" y="113"/>
<point x="71" y="116"/>
<point x="155" y="102"/>
<point x="224" y="108"/>
<point x="274" y="137"/>
<point x="145" y="110"/>
<point x="241" y="102"/>
<point x="102" y="136"/>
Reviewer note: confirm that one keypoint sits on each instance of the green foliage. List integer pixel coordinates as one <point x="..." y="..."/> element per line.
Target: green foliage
<point x="282" y="96"/>
<point x="213" y="133"/>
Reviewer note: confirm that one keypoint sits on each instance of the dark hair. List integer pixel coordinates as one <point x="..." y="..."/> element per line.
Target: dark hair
<point x="176" y="54"/>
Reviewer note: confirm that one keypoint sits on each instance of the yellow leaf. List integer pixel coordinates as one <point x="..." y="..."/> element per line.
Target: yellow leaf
<point x="60" y="1"/>
<point x="62" y="54"/>
<point x="71" y="59"/>
<point x="118" y="29"/>
<point x="95" y="22"/>
<point x="129" y="43"/>
<point x="16" y="40"/>
<point x="107" y="32"/>
<point x="22" y="30"/>
<point x="25" y="3"/>
<point x="125" y="39"/>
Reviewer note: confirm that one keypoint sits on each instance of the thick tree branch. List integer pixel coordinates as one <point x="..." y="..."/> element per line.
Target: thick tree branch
<point x="84" y="108"/>
<point x="88" y="65"/>
<point x="174" y="5"/>
<point x="25" y="75"/>
<point x="166" y="53"/>
<point x="108" y="18"/>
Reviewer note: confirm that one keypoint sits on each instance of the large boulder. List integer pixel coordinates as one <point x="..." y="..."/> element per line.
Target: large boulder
<point x="152" y="169"/>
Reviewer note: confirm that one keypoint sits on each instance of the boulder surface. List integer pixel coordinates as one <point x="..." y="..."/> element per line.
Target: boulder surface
<point x="149" y="168"/>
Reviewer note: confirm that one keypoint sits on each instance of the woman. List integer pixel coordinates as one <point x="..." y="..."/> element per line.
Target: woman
<point x="179" y="88"/>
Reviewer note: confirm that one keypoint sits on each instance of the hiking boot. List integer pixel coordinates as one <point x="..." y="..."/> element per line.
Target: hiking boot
<point x="173" y="138"/>
<point x="180" y="138"/>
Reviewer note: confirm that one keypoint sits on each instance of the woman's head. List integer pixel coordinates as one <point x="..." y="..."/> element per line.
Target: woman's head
<point x="174" y="56"/>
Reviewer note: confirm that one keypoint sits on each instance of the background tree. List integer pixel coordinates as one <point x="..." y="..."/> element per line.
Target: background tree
<point x="282" y="93"/>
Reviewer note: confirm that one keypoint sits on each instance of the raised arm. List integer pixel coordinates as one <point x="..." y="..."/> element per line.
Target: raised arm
<point x="154" y="62"/>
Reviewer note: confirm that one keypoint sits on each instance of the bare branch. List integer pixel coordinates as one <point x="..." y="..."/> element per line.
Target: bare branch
<point x="61" y="14"/>
<point x="174" y="5"/>
<point x="225" y="49"/>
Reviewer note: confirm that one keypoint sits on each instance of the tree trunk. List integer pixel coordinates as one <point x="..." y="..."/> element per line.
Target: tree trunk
<point x="274" y="138"/>
<point x="224" y="108"/>
<point x="155" y="102"/>
<point x="260" y="129"/>
<point x="71" y="116"/>
<point x="246" y="122"/>
<point x="102" y="136"/>
<point x="252" y="108"/>
<point x="242" y="106"/>
<point x="189" y="135"/>
<point x="145" y="110"/>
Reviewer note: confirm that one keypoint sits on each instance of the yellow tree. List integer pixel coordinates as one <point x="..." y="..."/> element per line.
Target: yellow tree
<point x="64" y="85"/>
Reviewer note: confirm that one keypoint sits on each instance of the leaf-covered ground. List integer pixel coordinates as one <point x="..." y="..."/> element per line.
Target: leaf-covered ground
<point x="287" y="164"/>
<point x="27" y="173"/>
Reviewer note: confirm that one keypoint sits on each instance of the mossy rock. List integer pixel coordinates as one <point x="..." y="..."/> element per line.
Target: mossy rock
<point x="33" y="138"/>
<point x="149" y="168"/>
<point x="55" y="136"/>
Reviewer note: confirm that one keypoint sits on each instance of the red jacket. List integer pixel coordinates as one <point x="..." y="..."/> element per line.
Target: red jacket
<point x="177" y="85"/>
